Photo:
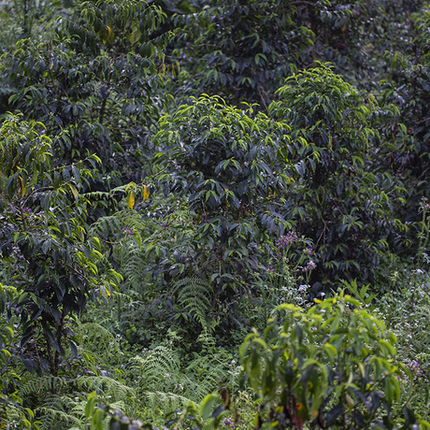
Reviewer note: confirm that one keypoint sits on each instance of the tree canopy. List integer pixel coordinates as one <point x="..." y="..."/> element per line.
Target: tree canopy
<point x="172" y="172"/>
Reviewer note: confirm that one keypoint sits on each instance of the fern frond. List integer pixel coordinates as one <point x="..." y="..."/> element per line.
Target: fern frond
<point x="194" y="294"/>
<point x="97" y="334"/>
<point x="134" y="266"/>
<point x="203" y="377"/>
<point x="159" y="364"/>
<point x="166" y="401"/>
<point x="207" y="341"/>
<point x="40" y="385"/>
<point x="108" y="227"/>
<point x="110" y="387"/>
<point x="53" y="418"/>
<point x="114" y="226"/>
<point x="13" y="413"/>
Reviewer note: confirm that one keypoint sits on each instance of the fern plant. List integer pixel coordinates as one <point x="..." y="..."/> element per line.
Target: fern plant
<point x="65" y="407"/>
<point x="59" y="402"/>
<point x="194" y="296"/>
<point x="166" y="384"/>
<point x="99" y="342"/>
<point x="156" y="369"/>
<point x="157" y="373"/>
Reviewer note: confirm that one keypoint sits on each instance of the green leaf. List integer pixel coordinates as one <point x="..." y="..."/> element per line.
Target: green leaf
<point x="76" y="173"/>
<point x="206" y="406"/>
<point x="387" y="348"/>
<point x="89" y="407"/>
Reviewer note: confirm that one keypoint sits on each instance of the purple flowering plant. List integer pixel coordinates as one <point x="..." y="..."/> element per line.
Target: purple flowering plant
<point x="292" y="251"/>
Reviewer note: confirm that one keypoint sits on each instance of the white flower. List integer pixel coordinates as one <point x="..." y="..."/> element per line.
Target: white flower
<point x="311" y="266"/>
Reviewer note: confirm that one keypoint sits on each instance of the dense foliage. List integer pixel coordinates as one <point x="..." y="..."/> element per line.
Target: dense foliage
<point x="177" y="174"/>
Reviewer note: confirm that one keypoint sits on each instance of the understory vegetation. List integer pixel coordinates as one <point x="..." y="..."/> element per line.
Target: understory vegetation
<point x="214" y="214"/>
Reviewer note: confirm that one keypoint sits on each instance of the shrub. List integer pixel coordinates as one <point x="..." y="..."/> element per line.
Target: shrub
<point x="332" y="366"/>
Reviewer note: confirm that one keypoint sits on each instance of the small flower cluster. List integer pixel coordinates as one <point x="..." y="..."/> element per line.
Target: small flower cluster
<point x="424" y="204"/>
<point x="286" y="240"/>
<point x="415" y="369"/>
<point x="413" y="365"/>
<point x="310" y="266"/>
<point x="230" y="422"/>
<point x="27" y="209"/>
<point x="271" y="270"/>
<point x="128" y="231"/>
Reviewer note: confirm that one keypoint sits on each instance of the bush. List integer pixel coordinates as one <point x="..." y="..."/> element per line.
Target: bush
<point x="333" y="366"/>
